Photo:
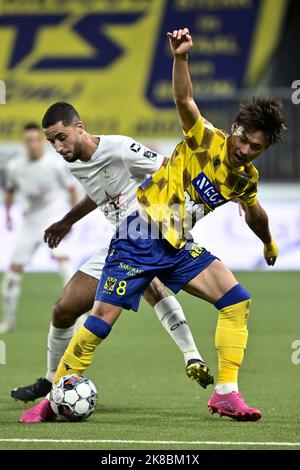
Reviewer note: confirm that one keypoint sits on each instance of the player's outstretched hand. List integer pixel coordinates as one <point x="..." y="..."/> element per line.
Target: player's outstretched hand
<point x="271" y="252"/>
<point x="180" y="41"/>
<point x="54" y="234"/>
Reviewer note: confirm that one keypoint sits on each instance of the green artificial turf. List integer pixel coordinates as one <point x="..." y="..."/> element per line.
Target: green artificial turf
<point x="139" y="372"/>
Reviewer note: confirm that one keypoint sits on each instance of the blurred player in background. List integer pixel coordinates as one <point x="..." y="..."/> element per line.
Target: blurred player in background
<point x="41" y="182"/>
<point x="110" y="168"/>
<point x="208" y="169"/>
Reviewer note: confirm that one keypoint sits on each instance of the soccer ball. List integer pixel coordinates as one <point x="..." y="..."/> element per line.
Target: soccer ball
<point x="74" y="397"/>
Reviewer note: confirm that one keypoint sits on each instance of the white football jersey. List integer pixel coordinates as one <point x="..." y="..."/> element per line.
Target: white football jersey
<point x="113" y="173"/>
<point x="41" y="183"/>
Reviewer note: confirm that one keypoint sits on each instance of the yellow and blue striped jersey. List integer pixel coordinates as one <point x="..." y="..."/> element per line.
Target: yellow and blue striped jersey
<point x="194" y="181"/>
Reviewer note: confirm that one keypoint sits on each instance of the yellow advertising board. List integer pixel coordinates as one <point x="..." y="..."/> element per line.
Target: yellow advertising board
<point x="111" y="59"/>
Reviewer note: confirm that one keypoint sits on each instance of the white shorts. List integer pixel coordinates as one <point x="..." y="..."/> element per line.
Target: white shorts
<point x="30" y="237"/>
<point x="94" y="265"/>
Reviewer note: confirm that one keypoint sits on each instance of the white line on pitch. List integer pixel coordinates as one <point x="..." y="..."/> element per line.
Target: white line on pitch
<point x="122" y="441"/>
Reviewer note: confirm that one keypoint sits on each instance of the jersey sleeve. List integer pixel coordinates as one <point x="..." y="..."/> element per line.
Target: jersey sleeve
<point x="250" y="196"/>
<point x="140" y="160"/>
<point x="202" y="134"/>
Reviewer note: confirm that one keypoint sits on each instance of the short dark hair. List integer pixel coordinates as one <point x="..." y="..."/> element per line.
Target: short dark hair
<point x="263" y="114"/>
<point x="60" y="111"/>
<point x="30" y="126"/>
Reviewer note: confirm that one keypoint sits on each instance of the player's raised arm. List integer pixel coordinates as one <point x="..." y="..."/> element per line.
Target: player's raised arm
<point x="188" y="112"/>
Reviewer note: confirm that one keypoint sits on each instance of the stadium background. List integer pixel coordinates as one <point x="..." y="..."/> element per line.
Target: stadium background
<point x="110" y="59"/>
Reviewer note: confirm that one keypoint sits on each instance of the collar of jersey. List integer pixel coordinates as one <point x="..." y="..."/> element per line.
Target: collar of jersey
<point x="98" y="149"/>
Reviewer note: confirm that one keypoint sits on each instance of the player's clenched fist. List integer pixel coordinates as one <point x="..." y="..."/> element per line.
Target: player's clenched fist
<point x="271" y="252"/>
<point x="180" y="41"/>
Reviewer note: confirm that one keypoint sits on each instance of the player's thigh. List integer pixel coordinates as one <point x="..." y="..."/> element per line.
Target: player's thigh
<point x="78" y="296"/>
<point x="155" y="292"/>
<point x="212" y="283"/>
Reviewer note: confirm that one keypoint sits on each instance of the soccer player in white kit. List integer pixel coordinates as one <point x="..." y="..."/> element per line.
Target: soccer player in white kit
<point x="110" y="168"/>
<point x="42" y="182"/>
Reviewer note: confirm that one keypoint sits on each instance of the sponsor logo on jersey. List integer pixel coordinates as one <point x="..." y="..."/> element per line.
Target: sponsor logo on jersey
<point x="110" y="283"/>
<point x="135" y="147"/>
<point x="113" y="206"/>
<point x="107" y="174"/>
<point x="207" y="191"/>
<point x="131" y="270"/>
<point x="151" y="155"/>
<point x="195" y="250"/>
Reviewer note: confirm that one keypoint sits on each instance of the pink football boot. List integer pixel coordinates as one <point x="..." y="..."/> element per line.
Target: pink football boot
<point x="234" y="406"/>
<point x="39" y="413"/>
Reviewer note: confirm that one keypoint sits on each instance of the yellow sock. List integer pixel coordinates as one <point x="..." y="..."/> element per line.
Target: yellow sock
<point x="79" y="354"/>
<point x="231" y="340"/>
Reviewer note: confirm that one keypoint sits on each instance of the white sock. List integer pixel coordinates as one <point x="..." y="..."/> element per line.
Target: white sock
<point x="229" y="387"/>
<point x="80" y="321"/>
<point x="58" y="340"/>
<point x="172" y="318"/>
<point x="10" y="290"/>
<point x="66" y="270"/>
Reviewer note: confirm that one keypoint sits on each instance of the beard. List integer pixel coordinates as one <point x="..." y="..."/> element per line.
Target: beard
<point x="77" y="153"/>
<point x="77" y="150"/>
<point x="71" y="159"/>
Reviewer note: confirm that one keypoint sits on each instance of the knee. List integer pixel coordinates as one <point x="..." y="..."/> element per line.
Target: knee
<point x="106" y="312"/>
<point x="62" y="315"/>
<point x="236" y="295"/>
<point x="16" y="268"/>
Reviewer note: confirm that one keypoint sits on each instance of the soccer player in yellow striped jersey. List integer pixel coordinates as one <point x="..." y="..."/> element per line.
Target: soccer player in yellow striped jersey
<point x="207" y="169"/>
<point x="196" y="180"/>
